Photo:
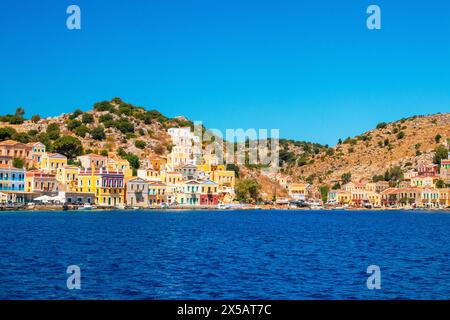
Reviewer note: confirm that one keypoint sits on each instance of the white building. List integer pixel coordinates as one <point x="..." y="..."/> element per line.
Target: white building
<point x="186" y="147"/>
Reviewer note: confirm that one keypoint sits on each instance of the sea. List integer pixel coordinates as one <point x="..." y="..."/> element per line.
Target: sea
<point x="230" y="254"/>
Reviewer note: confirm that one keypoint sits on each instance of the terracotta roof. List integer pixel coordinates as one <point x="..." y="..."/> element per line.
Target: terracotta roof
<point x="56" y="155"/>
<point x="9" y="142"/>
<point x="5" y="166"/>
<point x="390" y="191"/>
<point x="157" y="183"/>
<point x="93" y="155"/>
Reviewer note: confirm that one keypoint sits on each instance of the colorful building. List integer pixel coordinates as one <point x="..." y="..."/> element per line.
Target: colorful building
<point x="108" y="187"/>
<point x="38" y="149"/>
<point x="390" y="197"/>
<point x="67" y="177"/>
<point x="121" y="165"/>
<point x="209" y="195"/>
<point x="11" y="179"/>
<point x="154" y="162"/>
<point x="149" y="174"/>
<point x="137" y="192"/>
<point x="171" y="177"/>
<point x="92" y="160"/>
<point x="298" y="191"/>
<point x="186" y="147"/>
<point x="10" y="149"/>
<point x="50" y="162"/>
<point x="422" y="181"/>
<point x="444" y="172"/>
<point x="224" y="178"/>
<point x="187" y="171"/>
<point x="430" y="198"/>
<point x="189" y="193"/>
<point x="339" y="197"/>
<point x="41" y="182"/>
<point x="428" y="170"/>
<point x="157" y="193"/>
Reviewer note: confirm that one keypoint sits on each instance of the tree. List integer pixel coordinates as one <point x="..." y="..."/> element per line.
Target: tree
<point x="17" y="163"/>
<point x="21" y="137"/>
<point x="377" y="178"/>
<point x="247" y="190"/>
<point x="87" y="118"/>
<point x="324" y="192"/>
<point x="394" y="174"/>
<point x="440" y="184"/>
<point x="140" y="144"/>
<point x="6" y="133"/>
<point x="75" y="114"/>
<point x="381" y="125"/>
<point x="53" y="131"/>
<point x="440" y="153"/>
<point x="20" y="112"/>
<point x="98" y="133"/>
<point x="437" y="138"/>
<point x="73" y="124"/>
<point x="35" y="118"/>
<point x="104" y="106"/>
<point x="124" y="126"/>
<point x="346" y="177"/>
<point x="81" y="131"/>
<point x="16" y="119"/>
<point x="133" y="160"/>
<point x="69" y="146"/>
<point x="400" y="135"/>
<point x="105" y="117"/>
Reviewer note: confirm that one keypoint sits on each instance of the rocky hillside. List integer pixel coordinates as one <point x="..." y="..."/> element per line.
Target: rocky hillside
<point x="404" y="143"/>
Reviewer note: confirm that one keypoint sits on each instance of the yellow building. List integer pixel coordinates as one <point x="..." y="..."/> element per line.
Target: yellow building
<point x="50" y="162"/>
<point x="374" y="198"/>
<point x="343" y="197"/>
<point x="67" y="177"/>
<point x="224" y="178"/>
<point x="371" y="186"/>
<point x="155" y="162"/>
<point x="209" y="163"/>
<point x="171" y="177"/>
<point x="298" y="191"/>
<point x="108" y="186"/>
<point x="444" y="197"/>
<point x="425" y="182"/>
<point x="157" y="193"/>
<point x="115" y="163"/>
<point x="149" y="174"/>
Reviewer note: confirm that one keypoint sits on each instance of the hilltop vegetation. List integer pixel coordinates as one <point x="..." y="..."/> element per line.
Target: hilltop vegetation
<point x="111" y="126"/>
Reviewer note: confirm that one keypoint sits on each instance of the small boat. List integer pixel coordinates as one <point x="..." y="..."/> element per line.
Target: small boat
<point x="120" y="207"/>
<point x="86" y="207"/>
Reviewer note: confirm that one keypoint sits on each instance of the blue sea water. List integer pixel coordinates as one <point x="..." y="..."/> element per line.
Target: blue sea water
<point x="225" y="255"/>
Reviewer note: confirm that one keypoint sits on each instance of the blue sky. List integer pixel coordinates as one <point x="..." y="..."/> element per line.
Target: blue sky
<point x="309" y="68"/>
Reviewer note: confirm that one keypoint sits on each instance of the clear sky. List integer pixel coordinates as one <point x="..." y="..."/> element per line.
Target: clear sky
<point x="309" y="68"/>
